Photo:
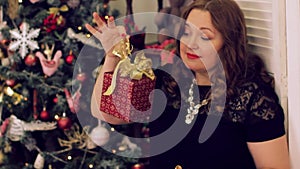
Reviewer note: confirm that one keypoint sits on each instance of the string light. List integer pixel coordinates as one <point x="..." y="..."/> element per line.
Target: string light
<point x="113" y="151"/>
<point x="91" y="166"/>
<point x="56" y="117"/>
<point x="112" y="129"/>
<point x="69" y="157"/>
<point x="20" y="1"/>
<point x="88" y="35"/>
<point x="79" y="28"/>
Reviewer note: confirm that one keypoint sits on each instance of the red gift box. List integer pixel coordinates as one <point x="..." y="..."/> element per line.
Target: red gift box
<point x="130" y="100"/>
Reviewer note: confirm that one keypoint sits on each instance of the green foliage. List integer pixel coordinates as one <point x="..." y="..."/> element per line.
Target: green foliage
<point x="30" y="78"/>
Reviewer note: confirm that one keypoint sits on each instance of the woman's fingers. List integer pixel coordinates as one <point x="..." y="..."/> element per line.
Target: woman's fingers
<point x="101" y="24"/>
<point x="91" y="29"/>
<point x="111" y="22"/>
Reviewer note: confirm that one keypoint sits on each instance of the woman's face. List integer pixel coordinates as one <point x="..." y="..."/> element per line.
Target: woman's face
<point x="200" y="42"/>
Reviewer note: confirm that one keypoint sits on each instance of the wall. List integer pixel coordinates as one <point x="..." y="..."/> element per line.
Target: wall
<point x="293" y="52"/>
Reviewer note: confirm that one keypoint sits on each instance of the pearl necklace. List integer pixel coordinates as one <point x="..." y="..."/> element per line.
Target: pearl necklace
<point x="194" y="108"/>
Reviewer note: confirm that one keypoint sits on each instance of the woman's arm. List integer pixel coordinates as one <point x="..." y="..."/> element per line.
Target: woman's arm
<point x="96" y="96"/>
<point x="109" y="35"/>
<point x="272" y="154"/>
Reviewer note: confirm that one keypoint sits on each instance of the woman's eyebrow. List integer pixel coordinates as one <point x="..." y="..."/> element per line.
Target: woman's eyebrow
<point x="201" y="28"/>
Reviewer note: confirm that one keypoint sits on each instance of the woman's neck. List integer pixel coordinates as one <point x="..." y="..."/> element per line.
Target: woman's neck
<point x="202" y="79"/>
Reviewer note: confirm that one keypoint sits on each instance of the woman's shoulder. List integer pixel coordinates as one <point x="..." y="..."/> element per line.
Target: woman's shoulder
<point x="253" y="99"/>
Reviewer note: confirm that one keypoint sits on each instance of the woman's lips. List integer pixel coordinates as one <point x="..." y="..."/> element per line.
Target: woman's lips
<point x="192" y="56"/>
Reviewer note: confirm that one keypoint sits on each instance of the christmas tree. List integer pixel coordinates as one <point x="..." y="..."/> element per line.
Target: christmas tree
<point x="43" y="88"/>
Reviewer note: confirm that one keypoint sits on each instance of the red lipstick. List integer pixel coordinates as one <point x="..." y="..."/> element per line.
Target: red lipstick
<point x="192" y="56"/>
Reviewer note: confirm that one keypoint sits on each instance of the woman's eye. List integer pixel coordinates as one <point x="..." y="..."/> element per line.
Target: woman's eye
<point x="205" y="38"/>
<point x="186" y="33"/>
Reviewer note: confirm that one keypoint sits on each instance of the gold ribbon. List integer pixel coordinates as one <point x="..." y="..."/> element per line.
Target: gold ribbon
<point x="55" y="10"/>
<point x="141" y="66"/>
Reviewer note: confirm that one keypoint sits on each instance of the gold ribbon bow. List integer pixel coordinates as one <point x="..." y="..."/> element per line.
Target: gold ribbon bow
<point x="55" y="10"/>
<point x="141" y="66"/>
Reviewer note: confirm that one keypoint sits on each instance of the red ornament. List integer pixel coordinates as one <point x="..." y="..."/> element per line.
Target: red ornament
<point x="138" y="166"/>
<point x="44" y="115"/>
<point x="10" y="82"/>
<point x="70" y="59"/>
<point x="55" y="100"/>
<point x="30" y="60"/>
<point x="81" y="77"/>
<point x="64" y="123"/>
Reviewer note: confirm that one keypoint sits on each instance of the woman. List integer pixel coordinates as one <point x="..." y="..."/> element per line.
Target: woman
<point x="250" y="133"/>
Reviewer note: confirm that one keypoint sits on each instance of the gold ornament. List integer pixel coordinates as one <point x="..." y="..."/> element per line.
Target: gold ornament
<point x="55" y="10"/>
<point x="76" y="138"/>
<point x="17" y="98"/>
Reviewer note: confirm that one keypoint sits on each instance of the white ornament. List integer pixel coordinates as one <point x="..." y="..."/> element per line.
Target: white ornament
<point x="39" y="126"/>
<point x="127" y="142"/>
<point x="39" y="162"/>
<point x="82" y="38"/>
<point x="16" y="128"/>
<point x="99" y="135"/>
<point x="24" y="39"/>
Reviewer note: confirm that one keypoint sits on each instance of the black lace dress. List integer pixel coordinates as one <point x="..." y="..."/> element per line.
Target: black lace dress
<point x="254" y="115"/>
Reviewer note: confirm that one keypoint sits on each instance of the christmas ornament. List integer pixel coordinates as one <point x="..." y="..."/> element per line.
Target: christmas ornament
<point x="55" y="99"/>
<point x="17" y="98"/>
<point x="35" y="114"/>
<point x="70" y="58"/>
<point x="24" y="39"/>
<point x="49" y="65"/>
<point x="17" y="128"/>
<point x="30" y="60"/>
<point x="5" y="55"/>
<point x="55" y="10"/>
<point x="1" y="103"/>
<point x="73" y="101"/>
<point x="83" y="38"/>
<point x="10" y="82"/>
<point x="44" y="115"/>
<point x="54" y="22"/>
<point x="64" y="122"/>
<point x="99" y="135"/>
<point x="81" y="77"/>
<point x="34" y="1"/>
<point x="13" y="8"/>
<point x="138" y="166"/>
<point x="39" y="162"/>
<point x="4" y="126"/>
<point x="76" y="138"/>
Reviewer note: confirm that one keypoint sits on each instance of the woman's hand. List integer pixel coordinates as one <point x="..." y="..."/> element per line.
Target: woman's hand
<point x="109" y="34"/>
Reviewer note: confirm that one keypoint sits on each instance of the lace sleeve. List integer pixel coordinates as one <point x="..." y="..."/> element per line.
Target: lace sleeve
<point x="265" y="120"/>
